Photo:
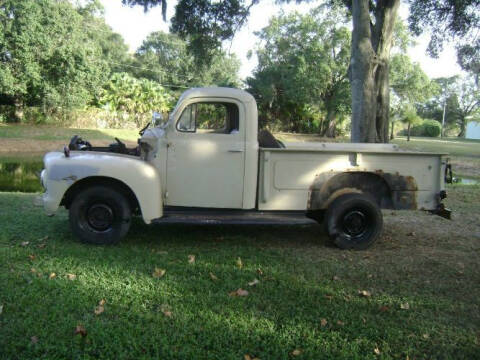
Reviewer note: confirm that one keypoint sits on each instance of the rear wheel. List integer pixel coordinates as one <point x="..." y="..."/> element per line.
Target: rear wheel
<point x="100" y="215"/>
<point x="354" y="221"/>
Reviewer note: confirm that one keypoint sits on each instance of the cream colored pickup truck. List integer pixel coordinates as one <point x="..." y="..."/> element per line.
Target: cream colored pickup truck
<point x="207" y="163"/>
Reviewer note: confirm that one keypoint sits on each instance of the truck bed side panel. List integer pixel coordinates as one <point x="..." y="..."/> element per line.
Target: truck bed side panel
<point x="286" y="176"/>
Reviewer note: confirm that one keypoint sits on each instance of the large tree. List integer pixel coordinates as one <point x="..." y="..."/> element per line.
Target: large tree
<point x="208" y="23"/>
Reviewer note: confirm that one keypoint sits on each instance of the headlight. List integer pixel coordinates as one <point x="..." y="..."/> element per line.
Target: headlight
<point x="42" y="178"/>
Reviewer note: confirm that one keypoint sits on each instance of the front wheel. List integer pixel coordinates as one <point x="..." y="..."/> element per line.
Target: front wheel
<point x="354" y="221"/>
<point x="100" y="215"/>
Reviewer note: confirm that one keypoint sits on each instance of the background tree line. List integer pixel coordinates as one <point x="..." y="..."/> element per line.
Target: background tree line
<point x="59" y="59"/>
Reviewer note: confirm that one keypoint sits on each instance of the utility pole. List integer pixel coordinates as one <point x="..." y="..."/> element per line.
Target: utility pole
<point x="443" y="117"/>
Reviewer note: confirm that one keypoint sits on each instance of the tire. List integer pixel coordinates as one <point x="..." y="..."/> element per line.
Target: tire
<point x="354" y="221"/>
<point x="100" y="215"/>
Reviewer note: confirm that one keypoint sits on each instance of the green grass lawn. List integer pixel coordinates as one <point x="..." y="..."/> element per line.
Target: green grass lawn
<point x="421" y="286"/>
<point x="51" y="133"/>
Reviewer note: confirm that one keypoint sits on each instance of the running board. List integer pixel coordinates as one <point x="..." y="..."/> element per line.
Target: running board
<point x="236" y="218"/>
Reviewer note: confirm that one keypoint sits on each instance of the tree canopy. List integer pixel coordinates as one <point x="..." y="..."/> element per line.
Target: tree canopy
<point x="302" y="70"/>
<point x="55" y="55"/>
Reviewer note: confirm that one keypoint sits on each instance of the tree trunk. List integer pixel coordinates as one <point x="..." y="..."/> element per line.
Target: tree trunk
<point x="463" y="127"/>
<point x="18" y="113"/>
<point x="363" y="71"/>
<point x="392" y="130"/>
<point x="332" y="124"/>
<point x="369" y="69"/>
<point x="408" y="132"/>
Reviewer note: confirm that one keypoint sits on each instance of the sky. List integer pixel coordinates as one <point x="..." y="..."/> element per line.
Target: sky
<point x="134" y="25"/>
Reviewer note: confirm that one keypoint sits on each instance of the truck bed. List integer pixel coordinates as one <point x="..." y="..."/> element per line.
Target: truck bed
<point x="287" y="176"/>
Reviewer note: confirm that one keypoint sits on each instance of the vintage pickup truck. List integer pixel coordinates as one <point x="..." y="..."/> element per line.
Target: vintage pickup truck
<point x="208" y="163"/>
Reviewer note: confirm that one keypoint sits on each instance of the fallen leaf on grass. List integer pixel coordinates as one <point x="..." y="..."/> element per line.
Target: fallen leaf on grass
<point x="52" y="275"/>
<point x="376" y="351"/>
<point x="296" y="352"/>
<point x="260" y="272"/>
<point x="340" y="323"/>
<point x="213" y="277"/>
<point x="25" y="243"/>
<point x="239" y="292"/>
<point x="34" y="339"/>
<point x="323" y="322"/>
<point x="239" y="263"/>
<point x="41" y="246"/>
<point x="158" y="273"/>
<point x="80" y="330"/>
<point x="191" y="259"/>
<point x="328" y="296"/>
<point x="253" y="283"/>
<point x="71" y="276"/>
<point x="31" y="257"/>
<point x="384" y="308"/>
<point x="335" y="278"/>
<point x="426" y="336"/>
<point x="248" y="357"/>
<point x="33" y="270"/>
<point x="405" y="306"/>
<point x="99" y="309"/>
<point x="364" y="293"/>
<point x="165" y="309"/>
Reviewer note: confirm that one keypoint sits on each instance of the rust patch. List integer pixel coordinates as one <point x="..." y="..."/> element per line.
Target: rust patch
<point x="391" y="191"/>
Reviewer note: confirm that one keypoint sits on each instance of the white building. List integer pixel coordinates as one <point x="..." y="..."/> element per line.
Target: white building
<point x="473" y="130"/>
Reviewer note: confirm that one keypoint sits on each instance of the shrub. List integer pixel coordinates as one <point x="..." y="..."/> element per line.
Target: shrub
<point x="427" y="127"/>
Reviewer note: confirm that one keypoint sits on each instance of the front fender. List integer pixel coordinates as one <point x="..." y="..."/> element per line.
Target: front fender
<point x="140" y="176"/>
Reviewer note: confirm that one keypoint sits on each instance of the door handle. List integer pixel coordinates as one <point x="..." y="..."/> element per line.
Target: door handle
<point x="235" y="150"/>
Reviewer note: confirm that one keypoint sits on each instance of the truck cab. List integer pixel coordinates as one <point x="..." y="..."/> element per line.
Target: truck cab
<point x="208" y="146"/>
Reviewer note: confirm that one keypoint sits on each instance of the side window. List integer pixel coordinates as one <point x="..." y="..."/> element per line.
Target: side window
<point x="210" y="118"/>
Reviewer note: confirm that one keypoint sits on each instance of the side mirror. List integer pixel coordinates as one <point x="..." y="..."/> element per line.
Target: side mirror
<point x="157" y="118"/>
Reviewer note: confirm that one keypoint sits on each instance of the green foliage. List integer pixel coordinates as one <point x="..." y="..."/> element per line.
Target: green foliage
<point x="165" y="58"/>
<point x="207" y="23"/>
<point x="124" y="93"/>
<point x="428" y="128"/>
<point x="410" y="116"/>
<point x="448" y="20"/>
<point x="47" y="56"/>
<point x="302" y="70"/>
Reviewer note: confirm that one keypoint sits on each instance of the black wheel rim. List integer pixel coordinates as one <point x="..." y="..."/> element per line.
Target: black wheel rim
<point x="100" y="217"/>
<point x="356" y="223"/>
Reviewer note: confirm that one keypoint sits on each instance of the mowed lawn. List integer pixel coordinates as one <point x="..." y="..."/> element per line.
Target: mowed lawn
<point x="172" y="292"/>
<point x="412" y="295"/>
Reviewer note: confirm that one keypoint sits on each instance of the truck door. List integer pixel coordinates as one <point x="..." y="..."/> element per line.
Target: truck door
<point x="206" y="155"/>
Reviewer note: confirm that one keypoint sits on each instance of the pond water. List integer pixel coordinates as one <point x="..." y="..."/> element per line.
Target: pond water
<point x="20" y="175"/>
<point x="466" y="181"/>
